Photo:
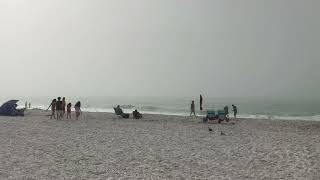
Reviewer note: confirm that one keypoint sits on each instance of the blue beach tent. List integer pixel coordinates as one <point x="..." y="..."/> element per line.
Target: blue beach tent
<point x="9" y="109"/>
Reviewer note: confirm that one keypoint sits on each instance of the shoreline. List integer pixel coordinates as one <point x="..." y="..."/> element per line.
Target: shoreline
<point x="198" y="116"/>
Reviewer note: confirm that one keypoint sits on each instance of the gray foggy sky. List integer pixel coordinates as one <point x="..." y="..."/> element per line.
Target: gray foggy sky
<point x="235" y="48"/>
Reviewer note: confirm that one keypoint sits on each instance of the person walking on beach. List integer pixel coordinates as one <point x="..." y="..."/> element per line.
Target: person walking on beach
<point x="192" y="108"/>
<point x="59" y="108"/>
<point x="235" y="111"/>
<point x="226" y="111"/>
<point x="201" y="100"/>
<point x="53" y="108"/>
<point x="69" y="111"/>
<point x="29" y="105"/>
<point x="63" y="106"/>
<point x="77" y="107"/>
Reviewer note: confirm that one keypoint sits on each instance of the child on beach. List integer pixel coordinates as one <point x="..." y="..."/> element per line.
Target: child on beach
<point x="192" y="108"/>
<point x="77" y="107"/>
<point x="69" y="111"/>
<point x="53" y="108"/>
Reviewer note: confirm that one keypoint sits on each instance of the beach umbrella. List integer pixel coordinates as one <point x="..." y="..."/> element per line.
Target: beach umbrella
<point x="7" y="108"/>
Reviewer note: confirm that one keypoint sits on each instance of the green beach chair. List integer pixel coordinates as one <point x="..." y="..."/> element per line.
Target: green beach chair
<point x="211" y="115"/>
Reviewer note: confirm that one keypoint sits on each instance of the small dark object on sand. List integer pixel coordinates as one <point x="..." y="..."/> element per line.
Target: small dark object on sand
<point x="209" y="129"/>
<point x="222" y="133"/>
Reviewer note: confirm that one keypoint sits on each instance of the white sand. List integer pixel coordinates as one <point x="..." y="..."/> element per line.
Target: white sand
<point x="99" y="146"/>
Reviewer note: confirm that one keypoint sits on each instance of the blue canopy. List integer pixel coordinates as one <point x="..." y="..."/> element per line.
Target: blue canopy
<point x="8" y="108"/>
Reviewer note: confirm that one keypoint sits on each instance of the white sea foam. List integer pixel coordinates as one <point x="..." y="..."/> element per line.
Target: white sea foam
<point x="262" y="116"/>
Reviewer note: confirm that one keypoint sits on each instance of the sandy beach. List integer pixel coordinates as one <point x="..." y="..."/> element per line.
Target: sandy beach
<point x="101" y="146"/>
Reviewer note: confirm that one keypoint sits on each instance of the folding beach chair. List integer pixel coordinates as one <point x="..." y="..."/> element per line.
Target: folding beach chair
<point x="211" y="115"/>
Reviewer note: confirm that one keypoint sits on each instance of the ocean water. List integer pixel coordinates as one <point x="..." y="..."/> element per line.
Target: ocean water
<point x="259" y="108"/>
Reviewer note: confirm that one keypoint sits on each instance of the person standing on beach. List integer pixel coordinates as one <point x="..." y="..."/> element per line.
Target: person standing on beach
<point x="69" y="110"/>
<point x="235" y="111"/>
<point x="192" y="108"/>
<point x="59" y="108"/>
<point x="29" y="105"/>
<point x="201" y="100"/>
<point x="26" y="105"/>
<point x="63" y="106"/>
<point x="77" y="108"/>
<point x="53" y="108"/>
<point x="226" y="110"/>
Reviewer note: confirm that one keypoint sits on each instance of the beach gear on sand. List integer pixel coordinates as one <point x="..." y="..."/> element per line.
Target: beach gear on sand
<point x="220" y="115"/>
<point x="211" y="114"/>
<point x="9" y="109"/>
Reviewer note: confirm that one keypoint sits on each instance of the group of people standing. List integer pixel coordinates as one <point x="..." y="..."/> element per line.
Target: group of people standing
<point x="59" y="108"/>
<point x="226" y="108"/>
